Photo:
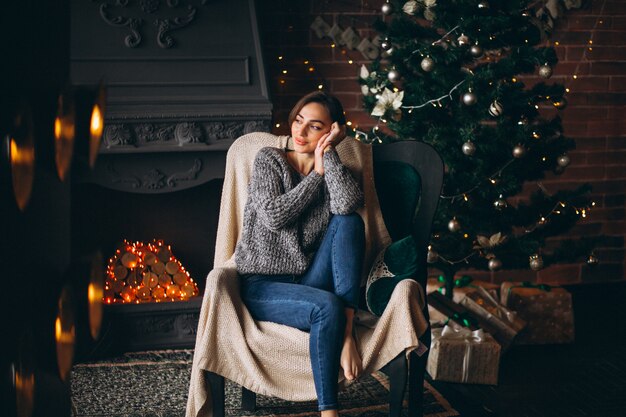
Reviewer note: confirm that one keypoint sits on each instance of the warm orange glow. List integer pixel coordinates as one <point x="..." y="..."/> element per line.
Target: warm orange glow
<point x="20" y="156"/>
<point x="57" y="128"/>
<point x="24" y="383"/>
<point x="97" y="124"/>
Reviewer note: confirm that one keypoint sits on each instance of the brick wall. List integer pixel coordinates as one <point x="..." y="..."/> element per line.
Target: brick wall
<point x="298" y="62"/>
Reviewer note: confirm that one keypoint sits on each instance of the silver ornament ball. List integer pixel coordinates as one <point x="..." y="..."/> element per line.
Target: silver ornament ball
<point x="519" y="151"/>
<point x="545" y="71"/>
<point x="495" y="109"/>
<point x="469" y="148"/>
<point x="393" y="75"/>
<point x="432" y="256"/>
<point x="385" y="44"/>
<point x="494" y="264"/>
<point x="476" y="51"/>
<point x="454" y="225"/>
<point x="563" y="160"/>
<point x="387" y="8"/>
<point x="536" y="262"/>
<point x="427" y="64"/>
<point x="469" y="98"/>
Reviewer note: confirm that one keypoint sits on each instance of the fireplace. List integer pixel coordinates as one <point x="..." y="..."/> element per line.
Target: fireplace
<point x="183" y="83"/>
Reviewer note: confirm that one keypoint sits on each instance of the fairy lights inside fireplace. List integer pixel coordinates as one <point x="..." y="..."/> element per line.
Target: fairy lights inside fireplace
<point x="146" y="272"/>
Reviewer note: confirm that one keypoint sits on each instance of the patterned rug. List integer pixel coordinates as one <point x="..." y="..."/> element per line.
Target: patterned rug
<point x="155" y="384"/>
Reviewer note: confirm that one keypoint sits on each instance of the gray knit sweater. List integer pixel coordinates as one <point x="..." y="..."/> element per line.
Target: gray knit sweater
<point x="287" y="213"/>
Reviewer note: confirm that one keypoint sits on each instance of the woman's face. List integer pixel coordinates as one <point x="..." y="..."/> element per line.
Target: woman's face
<point x="310" y="124"/>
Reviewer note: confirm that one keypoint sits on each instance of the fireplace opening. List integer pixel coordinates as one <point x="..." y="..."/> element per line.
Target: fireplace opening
<point x="185" y="220"/>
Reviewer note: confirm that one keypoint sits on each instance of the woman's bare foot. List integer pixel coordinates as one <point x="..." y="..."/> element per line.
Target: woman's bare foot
<point x="350" y="359"/>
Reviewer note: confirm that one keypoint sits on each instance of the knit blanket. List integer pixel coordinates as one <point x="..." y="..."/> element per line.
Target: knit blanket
<point x="273" y="359"/>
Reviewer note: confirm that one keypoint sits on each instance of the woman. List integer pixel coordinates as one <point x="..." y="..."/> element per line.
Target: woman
<point x="302" y="243"/>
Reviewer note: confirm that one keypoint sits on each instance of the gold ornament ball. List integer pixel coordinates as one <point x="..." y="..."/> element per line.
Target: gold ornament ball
<point x="469" y="148"/>
<point x="535" y="262"/>
<point x="469" y="98"/>
<point x="483" y="5"/>
<point x="592" y="260"/>
<point x="432" y="256"/>
<point x="427" y="64"/>
<point x="563" y="160"/>
<point x="545" y="71"/>
<point x="494" y="264"/>
<point x="454" y="225"/>
<point x="463" y="40"/>
<point x="519" y="151"/>
<point x="387" y="8"/>
<point x="393" y="75"/>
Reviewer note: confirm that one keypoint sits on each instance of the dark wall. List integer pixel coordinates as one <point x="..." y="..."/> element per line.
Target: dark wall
<point x="34" y="243"/>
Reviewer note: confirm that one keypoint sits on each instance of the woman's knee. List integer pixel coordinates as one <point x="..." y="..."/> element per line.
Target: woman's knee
<point x="331" y="309"/>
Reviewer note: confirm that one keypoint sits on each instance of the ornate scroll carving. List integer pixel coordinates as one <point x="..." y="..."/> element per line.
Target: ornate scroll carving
<point x="188" y="175"/>
<point x="154" y="179"/>
<point x="115" y="135"/>
<point x="165" y="25"/>
<point x="134" y="39"/>
<point x="177" y="134"/>
<point x="187" y="132"/>
<point x="118" y="179"/>
<point x="147" y="132"/>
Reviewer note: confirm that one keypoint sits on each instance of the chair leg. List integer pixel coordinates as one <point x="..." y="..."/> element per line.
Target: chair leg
<point x="216" y="382"/>
<point x="396" y="370"/>
<point x="417" y="367"/>
<point x="248" y="400"/>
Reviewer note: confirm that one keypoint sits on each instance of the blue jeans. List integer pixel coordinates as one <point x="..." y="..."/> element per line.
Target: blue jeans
<point x="316" y="301"/>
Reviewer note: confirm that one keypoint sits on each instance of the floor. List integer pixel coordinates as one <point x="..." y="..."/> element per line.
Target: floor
<point x="586" y="378"/>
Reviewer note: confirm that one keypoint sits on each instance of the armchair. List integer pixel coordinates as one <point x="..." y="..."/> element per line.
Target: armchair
<point x="272" y="359"/>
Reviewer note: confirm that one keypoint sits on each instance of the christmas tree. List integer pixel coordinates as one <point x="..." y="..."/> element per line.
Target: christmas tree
<point x="449" y="76"/>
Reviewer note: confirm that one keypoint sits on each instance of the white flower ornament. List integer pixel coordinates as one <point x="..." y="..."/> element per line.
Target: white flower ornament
<point x="388" y="100"/>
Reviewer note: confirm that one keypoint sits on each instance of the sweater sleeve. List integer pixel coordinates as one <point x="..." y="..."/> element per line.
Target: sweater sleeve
<point x="276" y="206"/>
<point x="345" y="193"/>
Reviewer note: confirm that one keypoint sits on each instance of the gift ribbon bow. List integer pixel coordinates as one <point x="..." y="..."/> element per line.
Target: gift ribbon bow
<point x="469" y="337"/>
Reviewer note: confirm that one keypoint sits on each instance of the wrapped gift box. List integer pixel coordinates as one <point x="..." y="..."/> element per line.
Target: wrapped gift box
<point x="462" y="316"/>
<point x="463" y="286"/>
<point x="547" y="310"/>
<point x="458" y="354"/>
<point x="482" y="303"/>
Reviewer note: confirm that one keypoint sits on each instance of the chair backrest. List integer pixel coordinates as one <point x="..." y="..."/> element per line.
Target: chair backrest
<point x="409" y="177"/>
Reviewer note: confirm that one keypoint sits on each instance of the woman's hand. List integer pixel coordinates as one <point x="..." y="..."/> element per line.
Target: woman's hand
<point x="335" y="136"/>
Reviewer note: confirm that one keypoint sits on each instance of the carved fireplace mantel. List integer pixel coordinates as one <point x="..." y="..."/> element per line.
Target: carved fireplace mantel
<point x="184" y="79"/>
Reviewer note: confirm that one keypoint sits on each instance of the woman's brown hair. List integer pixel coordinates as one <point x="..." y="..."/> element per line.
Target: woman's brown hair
<point x="331" y="103"/>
